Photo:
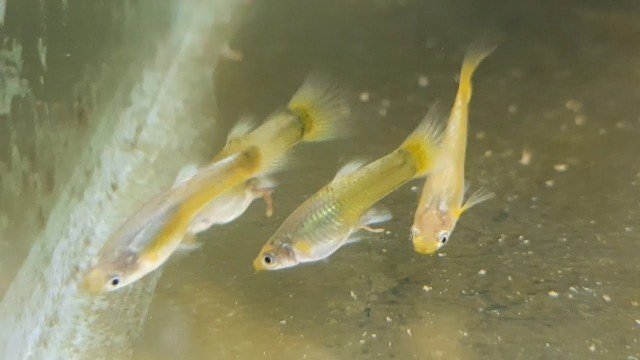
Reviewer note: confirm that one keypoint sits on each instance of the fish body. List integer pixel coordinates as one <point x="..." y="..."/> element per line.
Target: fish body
<point x="442" y="199"/>
<point x="233" y="203"/>
<point x="327" y="220"/>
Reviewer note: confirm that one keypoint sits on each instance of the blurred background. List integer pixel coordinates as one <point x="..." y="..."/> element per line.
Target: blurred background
<point x="547" y="269"/>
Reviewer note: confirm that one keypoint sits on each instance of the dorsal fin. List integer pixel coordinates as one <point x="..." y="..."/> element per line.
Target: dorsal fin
<point x="348" y="169"/>
<point x="244" y="125"/>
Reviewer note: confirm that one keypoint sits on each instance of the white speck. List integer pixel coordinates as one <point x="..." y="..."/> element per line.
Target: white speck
<point x="560" y="167"/>
<point x="635" y="303"/>
<point x="442" y="254"/>
<point x="638" y="321"/>
<point x="364" y="96"/>
<point x="423" y="81"/>
<point x="549" y="183"/>
<point x="388" y="319"/>
<point x="509" y="278"/>
<point x="606" y="297"/>
<point x="353" y="295"/>
<point x="414" y="188"/>
<point x="547" y="344"/>
<point x="525" y="159"/>
<point x="283" y="322"/>
<point x="362" y="341"/>
<point x="385" y="103"/>
<point x="488" y="153"/>
<point x="580" y="120"/>
<point x="480" y="135"/>
<point x="373" y="336"/>
<point x="553" y="294"/>
<point x="513" y="108"/>
<point x="482" y="272"/>
<point x="573" y="105"/>
<point x="465" y="334"/>
<point x="426" y="288"/>
<point x="592" y="348"/>
<point x="382" y="112"/>
<point x="67" y="55"/>
<point x="409" y="332"/>
<point x="364" y="334"/>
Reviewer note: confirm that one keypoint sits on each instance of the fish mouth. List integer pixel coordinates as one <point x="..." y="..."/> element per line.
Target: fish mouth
<point x="258" y="266"/>
<point x="424" y="247"/>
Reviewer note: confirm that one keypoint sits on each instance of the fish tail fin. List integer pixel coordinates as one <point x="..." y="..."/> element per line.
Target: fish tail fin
<point x="423" y="143"/>
<point x="474" y="55"/>
<point x="322" y="109"/>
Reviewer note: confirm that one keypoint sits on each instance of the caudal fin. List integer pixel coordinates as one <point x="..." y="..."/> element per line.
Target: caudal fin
<point x="477" y="52"/>
<point x="322" y="108"/>
<point x="422" y="145"/>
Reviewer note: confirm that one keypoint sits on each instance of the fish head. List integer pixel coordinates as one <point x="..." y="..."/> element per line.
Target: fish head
<point x="431" y="230"/>
<point x="112" y="274"/>
<point x="275" y="257"/>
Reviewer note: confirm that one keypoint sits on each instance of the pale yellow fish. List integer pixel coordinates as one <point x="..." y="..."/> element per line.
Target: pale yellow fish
<point x="327" y="220"/>
<point x="151" y="235"/>
<point x="318" y="111"/>
<point x="442" y="200"/>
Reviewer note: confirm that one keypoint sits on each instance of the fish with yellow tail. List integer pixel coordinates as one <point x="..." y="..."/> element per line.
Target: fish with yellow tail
<point x="328" y="219"/>
<point x="149" y="237"/>
<point x="442" y="200"/>
<point x="317" y="112"/>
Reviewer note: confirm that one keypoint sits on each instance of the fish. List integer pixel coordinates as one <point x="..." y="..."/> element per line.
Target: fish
<point x="442" y="200"/>
<point x="163" y="224"/>
<point x="318" y="111"/>
<point x="332" y="216"/>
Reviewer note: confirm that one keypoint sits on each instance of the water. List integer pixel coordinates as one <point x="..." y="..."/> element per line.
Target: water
<point x="548" y="269"/>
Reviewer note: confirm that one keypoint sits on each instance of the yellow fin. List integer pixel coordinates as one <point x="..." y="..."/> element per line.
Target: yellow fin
<point x="422" y="144"/>
<point x="474" y="55"/>
<point x="476" y="198"/>
<point x="321" y="107"/>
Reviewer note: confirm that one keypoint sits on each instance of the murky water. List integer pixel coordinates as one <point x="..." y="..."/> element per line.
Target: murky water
<point x="548" y="269"/>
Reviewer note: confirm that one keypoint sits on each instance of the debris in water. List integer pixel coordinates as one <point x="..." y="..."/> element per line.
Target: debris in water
<point x="283" y="322"/>
<point x="580" y="120"/>
<point x="426" y="288"/>
<point x="592" y="348"/>
<point x="488" y="153"/>
<point x="364" y="96"/>
<point x="560" y="167"/>
<point x="513" y="108"/>
<point x="353" y="295"/>
<point x="482" y="272"/>
<point x="480" y="135"/>
<point x="549" y="183"/>
<point x="414" y="188"/>
<point x="606" y="297"/>
<point x="525" y="159"/>
<point x="385" y="103"/>
<point x="388" y="319"/>
<point x="409" y="332"/>
<point x="423" y="81"/>
<point x="553" y="294"/>
<point x="573" y="105"/>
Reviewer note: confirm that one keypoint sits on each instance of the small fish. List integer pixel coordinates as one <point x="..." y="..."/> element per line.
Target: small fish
<point x="157" y="230"/>
<point x="327" y="220"/>
<point x="442" y="201"/>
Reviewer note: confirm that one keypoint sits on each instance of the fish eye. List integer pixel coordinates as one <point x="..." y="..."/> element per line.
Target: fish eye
<point x="444" y="236"/>
<point x="269" y="259"/>
<point x="115" y="281"/>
